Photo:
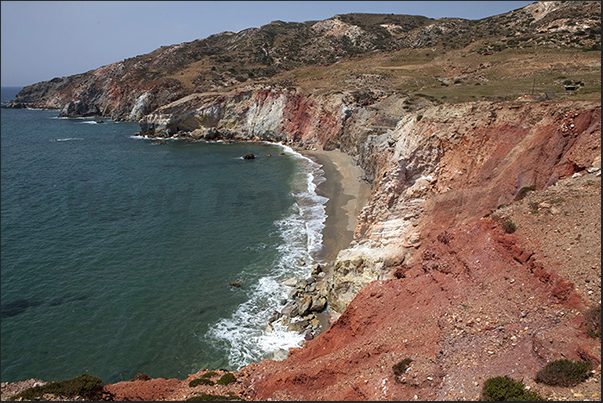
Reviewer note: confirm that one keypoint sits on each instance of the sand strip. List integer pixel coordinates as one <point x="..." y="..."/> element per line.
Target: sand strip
<point x="347" y="195"/>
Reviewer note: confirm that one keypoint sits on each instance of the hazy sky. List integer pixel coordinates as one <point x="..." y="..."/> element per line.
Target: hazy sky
<point x="46" y="39"/>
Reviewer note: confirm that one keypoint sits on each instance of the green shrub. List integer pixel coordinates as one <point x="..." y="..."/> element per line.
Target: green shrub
<point x="142" y="377"/>
<point x="87" y="386"/>
<point x="400" y="367"/>
<point x="209" y="374"/>
<point x="592" y="319"/>
<point x="564" y="373"/>
<point x="533" y="207"/>
<point x="509" y="226"/>
<point x="200" y="381"/>
<point x="524" y="191"/>
<point x="226" y="379"/>
<point x="503" y="388"/>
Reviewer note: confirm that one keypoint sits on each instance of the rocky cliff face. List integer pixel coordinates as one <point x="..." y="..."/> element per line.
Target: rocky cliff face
<point x="107" y="91"/>
<point x="265" y="114"/>
<point x="430" y="171"/>
<point x="434" y="276"/>
<point x="457" y="164"/>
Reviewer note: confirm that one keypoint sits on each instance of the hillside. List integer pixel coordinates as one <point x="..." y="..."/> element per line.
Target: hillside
<point x="478" y="253"/>
<point x="531" y="51"/>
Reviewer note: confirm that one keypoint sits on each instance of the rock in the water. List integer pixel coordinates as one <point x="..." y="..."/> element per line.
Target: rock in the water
<point x="290" y="310"/>
<point x="249" y="156"/>
<point x="297" y="326"/>
<point x="291" y="282"/>
<point x="275" y="316"/>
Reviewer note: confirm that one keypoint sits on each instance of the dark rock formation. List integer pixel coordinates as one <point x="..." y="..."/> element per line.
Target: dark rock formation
<point x="79" y="108"/>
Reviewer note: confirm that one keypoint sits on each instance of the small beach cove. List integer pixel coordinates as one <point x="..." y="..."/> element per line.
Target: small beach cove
<point x="302" y="311"/>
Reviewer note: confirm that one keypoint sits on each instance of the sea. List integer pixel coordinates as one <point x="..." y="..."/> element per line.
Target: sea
<point x="121" y="256"/>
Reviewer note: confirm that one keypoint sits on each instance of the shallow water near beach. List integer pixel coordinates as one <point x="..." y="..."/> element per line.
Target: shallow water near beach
<point x="118" y="253"/>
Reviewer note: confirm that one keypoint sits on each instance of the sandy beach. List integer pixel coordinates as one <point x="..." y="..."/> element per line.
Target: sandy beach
<point x="347" y="194"/>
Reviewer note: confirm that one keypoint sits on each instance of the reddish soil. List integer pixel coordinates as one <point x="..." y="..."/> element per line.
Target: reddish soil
<point x="477" y="306"/>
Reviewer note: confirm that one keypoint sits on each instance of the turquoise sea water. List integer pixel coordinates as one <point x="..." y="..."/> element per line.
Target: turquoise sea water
<point x="117" y="252"/>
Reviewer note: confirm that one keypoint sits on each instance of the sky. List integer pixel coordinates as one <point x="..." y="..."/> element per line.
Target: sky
<point x="42" y="40"/>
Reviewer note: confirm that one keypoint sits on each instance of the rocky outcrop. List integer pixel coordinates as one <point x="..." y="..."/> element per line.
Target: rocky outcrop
<point x="79" y="108"/>
<point x="107" y="91"/>
<point x="270" y="114"/>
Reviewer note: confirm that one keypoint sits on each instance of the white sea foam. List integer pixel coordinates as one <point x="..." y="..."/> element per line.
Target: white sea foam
<point x="244" y="335"/>
<point x="69" y="139"/>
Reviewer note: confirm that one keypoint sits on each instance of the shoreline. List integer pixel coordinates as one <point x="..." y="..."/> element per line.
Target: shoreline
<point x="306" y="309"/>
<point x="347" y="195"/>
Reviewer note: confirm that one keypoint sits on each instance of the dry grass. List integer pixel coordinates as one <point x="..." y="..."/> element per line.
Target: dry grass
<point x="508" y="74"/>
<point x="505" y="75"/>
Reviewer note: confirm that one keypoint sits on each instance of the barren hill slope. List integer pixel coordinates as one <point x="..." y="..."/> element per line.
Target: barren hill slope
<point x="537" y="47"/>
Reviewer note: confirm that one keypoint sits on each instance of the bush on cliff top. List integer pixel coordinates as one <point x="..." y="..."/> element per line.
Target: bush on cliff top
<point x="564" y="373"/>
<point x="509" y="226"/>
<point x="592" y="319"/>
<point x="87" y="386"/>
<point x="400" y="367"/>
<point x="523" y="192"/>
<point x="142" y="377"/>
<point x="504" y="388"/>
<point x="226" y="379"/>
<point x="200" y="381"/>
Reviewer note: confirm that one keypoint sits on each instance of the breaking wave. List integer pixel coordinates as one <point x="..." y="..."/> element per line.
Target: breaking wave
<point x="244" y="335"/>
